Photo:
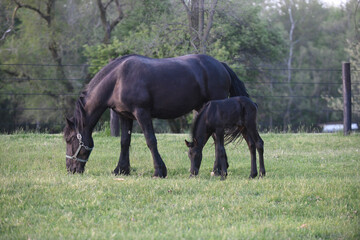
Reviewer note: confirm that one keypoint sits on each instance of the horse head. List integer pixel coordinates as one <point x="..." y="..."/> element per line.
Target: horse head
<point x="77" y="148"/>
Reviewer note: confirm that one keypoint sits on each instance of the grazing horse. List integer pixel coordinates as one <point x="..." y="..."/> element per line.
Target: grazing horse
<point x="231" y="118"/>
<point x="141" y="88"/>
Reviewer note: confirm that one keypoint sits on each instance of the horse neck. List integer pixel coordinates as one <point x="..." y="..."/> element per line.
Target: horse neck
<point x="90" y="114"/>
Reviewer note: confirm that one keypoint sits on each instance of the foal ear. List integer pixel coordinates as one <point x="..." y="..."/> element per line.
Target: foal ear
<point x="189" y="144"/>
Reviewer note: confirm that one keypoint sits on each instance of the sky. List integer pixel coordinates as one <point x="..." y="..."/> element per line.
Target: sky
<point x="334" y="2"/>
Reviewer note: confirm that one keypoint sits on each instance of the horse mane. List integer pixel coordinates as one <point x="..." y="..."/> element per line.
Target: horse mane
<point x="79" y="111"/>
<point x="76" y="122"/>
<point x="104" y="72"/>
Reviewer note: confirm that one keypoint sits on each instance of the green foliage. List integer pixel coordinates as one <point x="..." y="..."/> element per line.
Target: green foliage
<point x="311" y="191"/>
<point x="100" y="55"/>
<point x="248" y="39"/>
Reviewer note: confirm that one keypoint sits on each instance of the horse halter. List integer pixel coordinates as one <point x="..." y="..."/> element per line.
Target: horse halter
<point x="81" y="144"/>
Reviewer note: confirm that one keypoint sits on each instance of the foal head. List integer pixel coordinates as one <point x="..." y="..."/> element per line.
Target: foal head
<point x="77" y="152"/>
<point x="195" y="155"/>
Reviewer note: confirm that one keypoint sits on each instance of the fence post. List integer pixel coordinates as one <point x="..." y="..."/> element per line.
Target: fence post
<point x="114" y="124"/>
<point x="347" y="97"/>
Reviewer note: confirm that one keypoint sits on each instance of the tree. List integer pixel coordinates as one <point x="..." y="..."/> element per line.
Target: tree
<point x="199" y="30"/>
<point x="352" y="48"/>
<point x="43" y="32"/>
<point x="242" y="42"/>
<point x="46" y="12"/>
<point x="107" y="24"/>
<point x="314" y="40"/>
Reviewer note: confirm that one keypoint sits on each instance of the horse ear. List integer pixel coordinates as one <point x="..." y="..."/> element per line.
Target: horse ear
<point x="69" y="122"/>
<point x="189" y="144"/>
<point x="195" y="142"/>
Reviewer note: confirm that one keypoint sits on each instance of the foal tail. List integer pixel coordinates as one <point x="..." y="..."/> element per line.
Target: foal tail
<point x="233" y="134"/>
<point x="237" y="87"/>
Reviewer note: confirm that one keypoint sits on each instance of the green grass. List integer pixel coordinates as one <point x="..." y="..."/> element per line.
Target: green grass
<point x="311" y="191"/>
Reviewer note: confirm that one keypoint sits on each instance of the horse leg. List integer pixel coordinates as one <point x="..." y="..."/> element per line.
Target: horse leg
<point x="220" y="153"/>
<point x="123" y="166"/>
<point x="144" y="119"/>
<point x="252" y="148"/>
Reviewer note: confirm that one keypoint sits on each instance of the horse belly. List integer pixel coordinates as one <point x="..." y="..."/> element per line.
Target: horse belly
<point x="174" y="104"/>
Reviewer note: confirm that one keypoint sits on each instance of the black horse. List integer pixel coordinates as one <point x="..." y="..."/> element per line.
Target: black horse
<point x="140" y="88"/>
<point x="231" y="118"/>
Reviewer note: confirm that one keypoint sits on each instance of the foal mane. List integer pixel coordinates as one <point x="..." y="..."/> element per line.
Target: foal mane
<point x="197" y="120"/>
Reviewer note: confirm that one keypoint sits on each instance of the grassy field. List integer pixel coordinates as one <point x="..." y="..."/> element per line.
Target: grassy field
<point x="311" y="191"/>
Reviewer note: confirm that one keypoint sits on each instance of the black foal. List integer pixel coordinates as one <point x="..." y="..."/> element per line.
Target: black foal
<point x="228" y="120"/>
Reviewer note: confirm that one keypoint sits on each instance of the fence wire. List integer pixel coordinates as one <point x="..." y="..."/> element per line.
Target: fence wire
<point x="260" y="92"/>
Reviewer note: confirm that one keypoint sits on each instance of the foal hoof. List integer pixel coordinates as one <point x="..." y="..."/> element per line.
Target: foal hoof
<point x="160" y="173"/>
<point x="253" y="175"/>
<point x="261" y="175"/>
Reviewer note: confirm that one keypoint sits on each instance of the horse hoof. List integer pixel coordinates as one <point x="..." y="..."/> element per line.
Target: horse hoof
<point x="121" y="171"/>
<point x="115" y="172"/>
<point x="261" y="175"/>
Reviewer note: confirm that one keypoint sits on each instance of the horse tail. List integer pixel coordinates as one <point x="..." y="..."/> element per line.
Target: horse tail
<point x="237" y="87"/>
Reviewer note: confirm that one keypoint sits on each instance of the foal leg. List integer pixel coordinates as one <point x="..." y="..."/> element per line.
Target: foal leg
<point x="217" y="166"/>
<point x="260" y="148"/>
<point x="220" y="153"/>
<point x="144" y="119"/>
<point x="123" y="166"/>
<point x="252" y="149"/>
<point x="259" y="145"/>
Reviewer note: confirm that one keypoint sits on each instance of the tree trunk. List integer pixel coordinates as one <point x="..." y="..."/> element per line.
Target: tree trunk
<point x="199" y="31"/>
<point x="287" y="115"/>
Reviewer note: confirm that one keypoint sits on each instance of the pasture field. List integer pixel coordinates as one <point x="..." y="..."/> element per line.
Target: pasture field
<point x="311" y="191"/>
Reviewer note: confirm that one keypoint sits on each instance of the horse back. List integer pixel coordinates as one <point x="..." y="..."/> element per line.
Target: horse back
<point x="169" y="87"/>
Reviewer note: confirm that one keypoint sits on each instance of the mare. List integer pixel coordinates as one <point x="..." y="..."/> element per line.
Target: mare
<point x="228" y="119"/>
<point x="141" y="88"/>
